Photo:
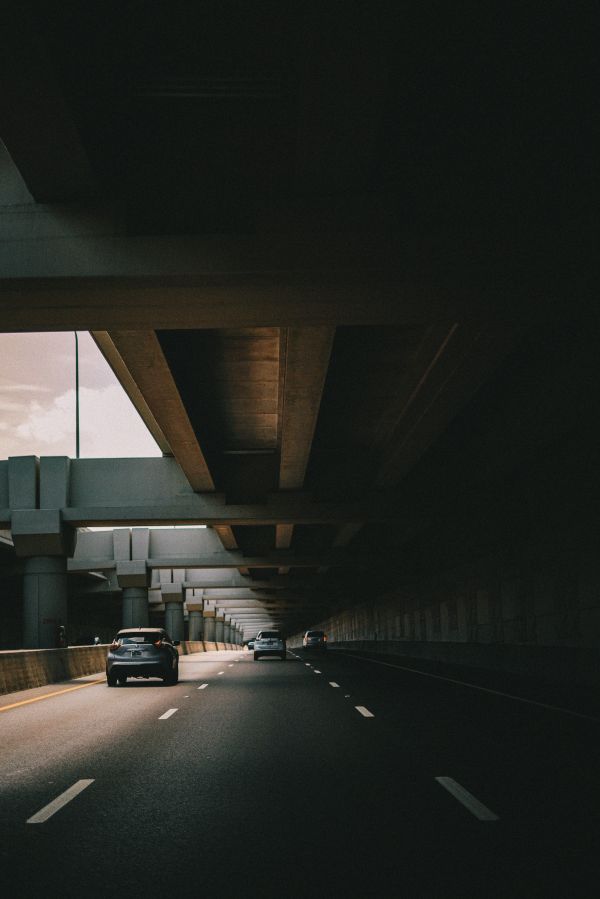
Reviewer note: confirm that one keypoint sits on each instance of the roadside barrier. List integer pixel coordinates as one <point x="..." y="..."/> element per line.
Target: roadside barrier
<point x="21" y="669"/>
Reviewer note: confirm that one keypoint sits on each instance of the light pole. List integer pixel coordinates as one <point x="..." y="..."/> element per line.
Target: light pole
<point x="76" y="396"/>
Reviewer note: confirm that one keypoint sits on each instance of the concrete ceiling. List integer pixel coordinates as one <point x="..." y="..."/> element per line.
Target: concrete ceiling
<point x="302" y="240"/>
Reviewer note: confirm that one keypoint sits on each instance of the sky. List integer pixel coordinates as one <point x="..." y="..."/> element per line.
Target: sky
<point x="37" y="400"/>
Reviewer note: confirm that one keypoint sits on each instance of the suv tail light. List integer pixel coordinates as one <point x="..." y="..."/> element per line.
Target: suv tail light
<point x="115" y="644"/>
<point x="158" y="643"/>
<point x="324" y="638"/>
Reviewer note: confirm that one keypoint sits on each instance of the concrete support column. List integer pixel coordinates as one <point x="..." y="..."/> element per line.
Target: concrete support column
<point x="227" y="631"/>
<point x="135" y="607"/>
<point x="174" y="625"/>
<point x="133" y="578"/>
<point x="219" y="628"/>
<point x="209" y="622"/>
<point x="195" y="621"/>
<point x="172" y="596"/>
<point x="37" y="491"/>
<point x="44" y="600"/>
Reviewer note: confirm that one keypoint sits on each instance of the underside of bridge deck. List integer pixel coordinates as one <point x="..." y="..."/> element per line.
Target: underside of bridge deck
<point x="337" y="254"/>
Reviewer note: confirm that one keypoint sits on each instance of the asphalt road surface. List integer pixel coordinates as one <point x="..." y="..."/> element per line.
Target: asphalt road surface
<point x="332" y="776"/>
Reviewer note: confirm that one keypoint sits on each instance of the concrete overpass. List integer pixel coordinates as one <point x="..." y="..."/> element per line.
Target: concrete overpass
<point x="369" y="360"/>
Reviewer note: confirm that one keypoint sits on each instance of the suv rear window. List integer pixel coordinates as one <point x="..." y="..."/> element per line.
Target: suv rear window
<point x="142" y="637"/>
<point x="269" y="635"/>
<point x="314" y="633"/>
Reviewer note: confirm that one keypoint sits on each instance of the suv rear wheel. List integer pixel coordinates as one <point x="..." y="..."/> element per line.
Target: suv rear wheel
<point x="111" y="679"/>
<point x="171" y="677"/>
<point x="256" y="656"/>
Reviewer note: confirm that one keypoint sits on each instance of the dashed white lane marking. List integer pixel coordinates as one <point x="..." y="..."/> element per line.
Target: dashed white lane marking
<point x="308" y="665"/>
<point x="462" y="683"/>
<point x="203" y="686"/>
<point x="221" y="672"/>
<point x="332" y="683"/>
<point x="316" y="670"/>
<point x="469" y="801"/>
<point x="186" y="697"/>
<point x="167" y="714"/>
<point x="364" y="712"/>
<point x="59" y="802"/>
<point x="230" y="666"/>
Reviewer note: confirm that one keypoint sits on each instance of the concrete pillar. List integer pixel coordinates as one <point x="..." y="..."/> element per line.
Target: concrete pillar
<point x="44" y="600"/>
<point x="135" y="607"/>
<point x="195" y="620"/>
<point x="134" y="578"/>
<point x="41" y="538"/>
<point x="172" y="596"/>
<point x="209" y="621"/>
<point x="174" y="625"/>
<point x="219" y="628"/>
<point x="227" y="631"/>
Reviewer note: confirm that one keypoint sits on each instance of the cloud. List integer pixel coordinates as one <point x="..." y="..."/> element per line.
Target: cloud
<point x="109" y="425"/>
<point x="10" y="405"/>
<point x="24" y="388"/>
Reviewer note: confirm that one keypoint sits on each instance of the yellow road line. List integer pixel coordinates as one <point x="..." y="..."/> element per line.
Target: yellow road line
<point x="15" y="705"/>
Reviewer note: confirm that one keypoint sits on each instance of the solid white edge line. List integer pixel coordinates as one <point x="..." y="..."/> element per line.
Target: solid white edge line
<point x="463" y="683"/>
<point x="332" y="683"/>
<point x="59" y="802"/>
<point x="203" y="686"/>
<point x="364" y="712"/>
<point x="467" y="799"/>
<point x="167" y="714"/>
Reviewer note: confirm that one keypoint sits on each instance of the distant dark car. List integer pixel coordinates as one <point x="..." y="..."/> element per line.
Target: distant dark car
<point x="269" y="643"/>
<point x="142" y="652"/>
<point x="315" y="640"/>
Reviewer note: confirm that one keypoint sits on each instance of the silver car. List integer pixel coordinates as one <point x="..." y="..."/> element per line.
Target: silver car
<point x="142" y="652"/>
<point x="269" y="643"/>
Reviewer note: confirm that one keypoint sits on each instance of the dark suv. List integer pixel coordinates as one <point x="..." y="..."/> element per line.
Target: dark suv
<point x="315" y="640"/>
<point x="142" y="652"/>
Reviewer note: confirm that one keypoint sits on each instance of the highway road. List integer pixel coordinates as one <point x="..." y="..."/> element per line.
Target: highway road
<point x="332" y="776"/>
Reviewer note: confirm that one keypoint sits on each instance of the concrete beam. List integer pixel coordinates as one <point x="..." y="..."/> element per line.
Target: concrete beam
<point x="71" y="280"/>
<point x="307" y="354"/>
<point x="55" y="168"/>
<point x="144" y="360"/>
<point x="224" y="560"/>
<point x="199" y="510"/>
<point x="107" y="347"/>
<point x="127" y="492"/>
<point x="465" y="357"/>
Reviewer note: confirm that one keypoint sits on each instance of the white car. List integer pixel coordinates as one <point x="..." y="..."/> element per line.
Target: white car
<point x="269" y="643"/>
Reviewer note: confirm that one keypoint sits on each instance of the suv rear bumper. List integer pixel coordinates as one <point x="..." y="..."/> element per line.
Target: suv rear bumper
<point x="139" y="669"/>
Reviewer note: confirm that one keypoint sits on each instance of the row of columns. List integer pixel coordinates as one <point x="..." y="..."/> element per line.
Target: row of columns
<point x="38" y="490"/>
<point x="45" y="605"/>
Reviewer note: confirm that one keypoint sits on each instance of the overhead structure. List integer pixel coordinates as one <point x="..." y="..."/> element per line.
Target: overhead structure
<point x="297" y="236"/>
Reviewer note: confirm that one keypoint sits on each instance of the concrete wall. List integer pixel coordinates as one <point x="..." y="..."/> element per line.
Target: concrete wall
<point x="503" y="571"/>
<point x="26" y="668"/>
<point x="539" y="618"/>
<point x="23" y="669"/>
